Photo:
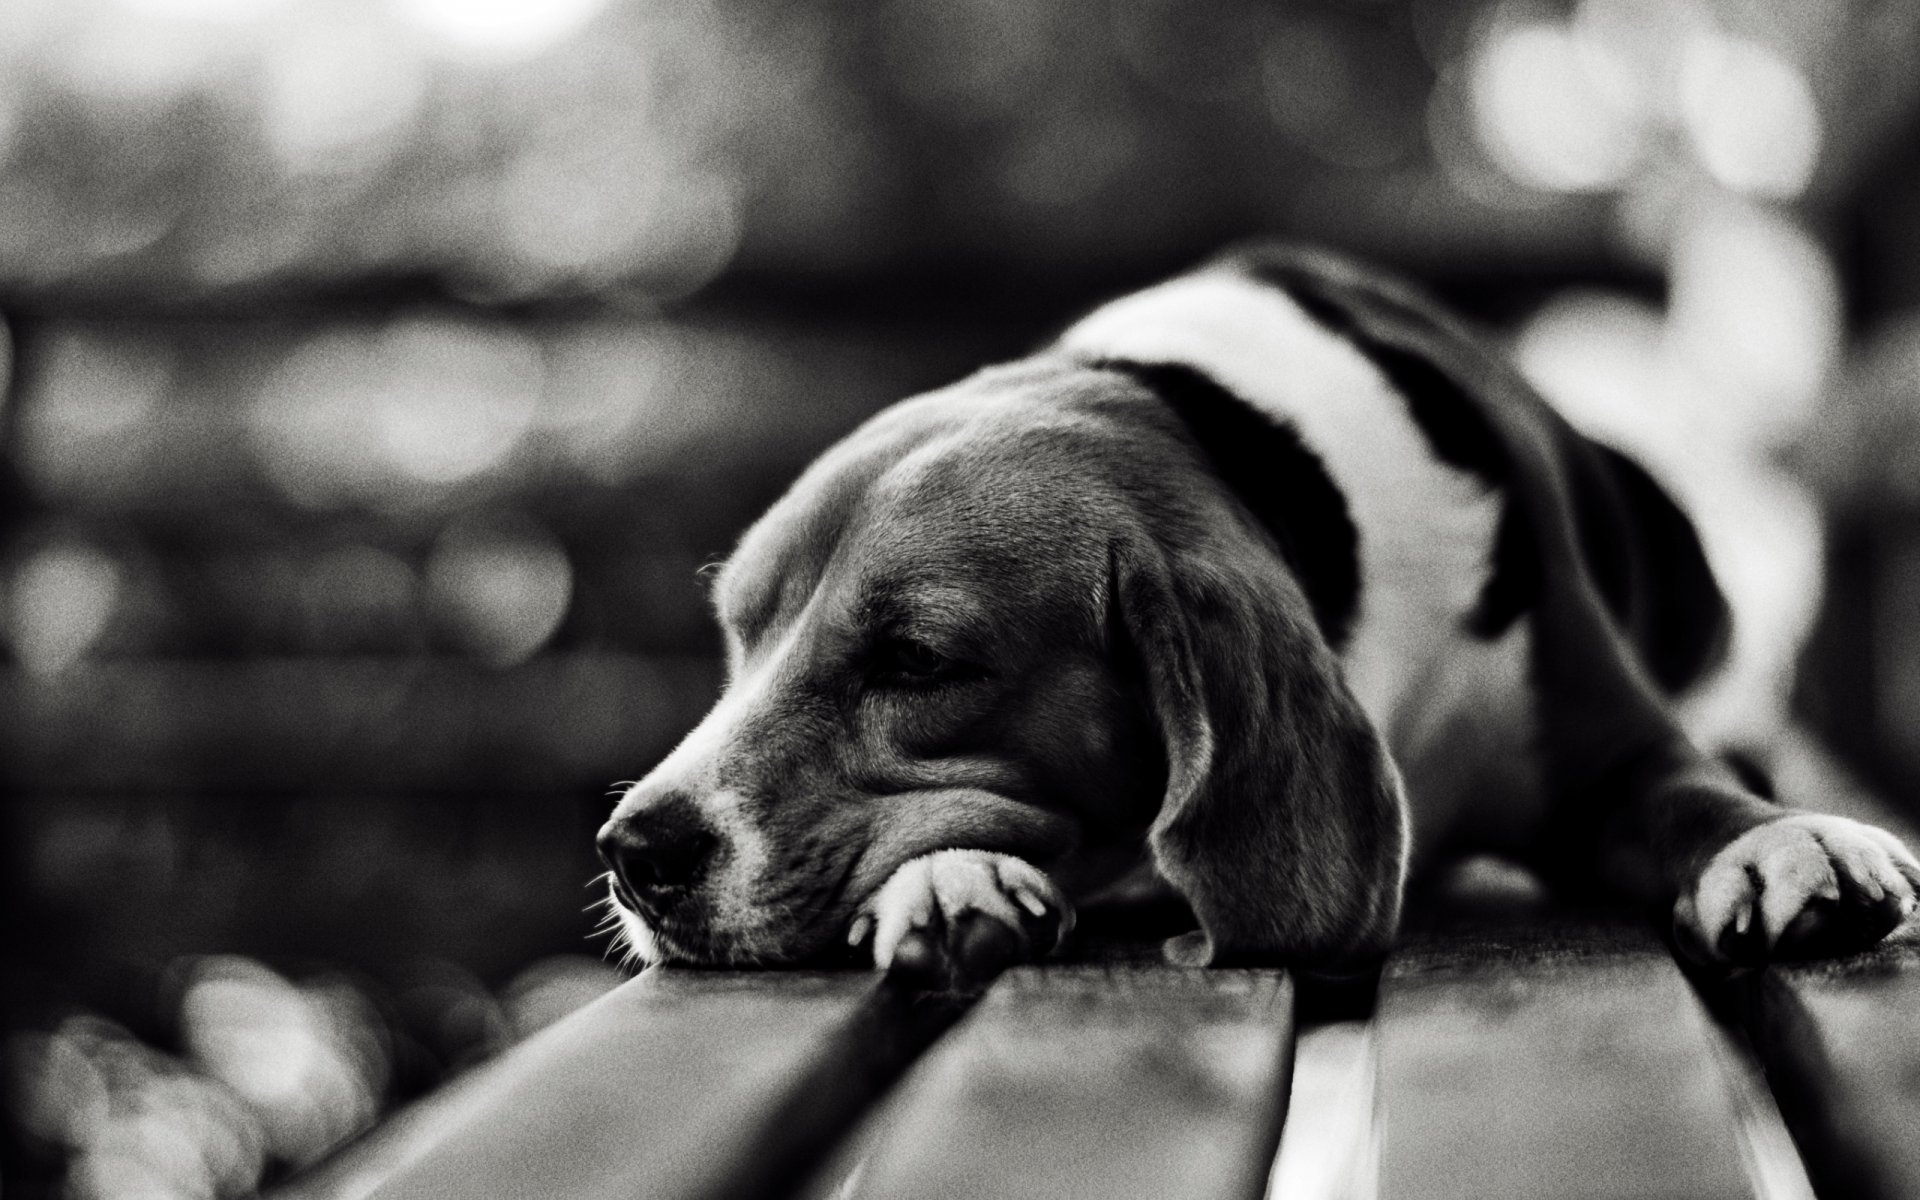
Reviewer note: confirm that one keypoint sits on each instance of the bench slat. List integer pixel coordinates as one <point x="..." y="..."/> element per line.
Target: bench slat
<point x="1096" y="1081"/>
<point x="677" y="1084"/>
<point x="1553" y="1060"/>
<point x="1841" y="1042"/>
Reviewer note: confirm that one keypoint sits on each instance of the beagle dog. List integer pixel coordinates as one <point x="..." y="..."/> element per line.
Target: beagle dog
<point x="1263" y="585"/>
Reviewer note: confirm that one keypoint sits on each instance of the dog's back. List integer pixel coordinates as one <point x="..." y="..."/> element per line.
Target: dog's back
<point x="1436" y="644"/>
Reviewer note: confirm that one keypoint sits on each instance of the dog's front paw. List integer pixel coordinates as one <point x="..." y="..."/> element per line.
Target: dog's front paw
<point x="954" y="919"/>
<point x="1803" y="886"/>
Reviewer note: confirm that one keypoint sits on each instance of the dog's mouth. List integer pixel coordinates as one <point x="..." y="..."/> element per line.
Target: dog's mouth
<point x="692" y="931"/>
<point x="687" y="942"/>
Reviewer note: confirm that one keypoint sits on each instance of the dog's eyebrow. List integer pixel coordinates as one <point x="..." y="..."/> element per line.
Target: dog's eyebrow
<point x="929" y="611"/>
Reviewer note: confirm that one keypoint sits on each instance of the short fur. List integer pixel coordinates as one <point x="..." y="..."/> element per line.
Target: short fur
<point x="1199" y="583"/>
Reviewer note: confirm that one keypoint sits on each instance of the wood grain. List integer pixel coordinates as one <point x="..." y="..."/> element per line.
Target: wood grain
<point x="1555" y="1058"/>
<point x="1095" y="1081"/>
<point x="1841" y="1044"/>
<point x="680" y="1084"/>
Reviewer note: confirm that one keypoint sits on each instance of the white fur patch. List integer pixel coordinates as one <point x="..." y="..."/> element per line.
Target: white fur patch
<point x="1426" y="529"/>
<point x="733" y="891"/>
<point x="634" y="939"/>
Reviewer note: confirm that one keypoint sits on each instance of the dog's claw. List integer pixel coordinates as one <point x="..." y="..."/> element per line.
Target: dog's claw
<point x="1806" y="885"/>
<point x="1031" y="902"/>
<point x="953" y="919"/>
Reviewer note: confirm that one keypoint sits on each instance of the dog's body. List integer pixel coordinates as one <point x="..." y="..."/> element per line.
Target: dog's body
<point x="1451" y="703"/>
<point x="1272" y="575"/>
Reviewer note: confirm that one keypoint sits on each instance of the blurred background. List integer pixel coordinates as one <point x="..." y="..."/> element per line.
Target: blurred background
<point x="379" y="373"/>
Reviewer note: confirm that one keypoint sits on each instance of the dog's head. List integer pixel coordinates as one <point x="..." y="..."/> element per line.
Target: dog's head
<point x="1021" y="614"/>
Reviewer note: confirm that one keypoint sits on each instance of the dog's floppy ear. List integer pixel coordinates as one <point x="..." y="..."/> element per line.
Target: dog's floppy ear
<point x="1283" y="825"/>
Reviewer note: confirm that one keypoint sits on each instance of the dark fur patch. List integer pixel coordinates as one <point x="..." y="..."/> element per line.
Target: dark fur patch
<point x="1453" y="424"/>
<point x="1752" y="774"/>
<point x="1450" y="418"/>
<point x="1277" y="477"/>
<point x="1643" y="554"/>
<point x="1634" y="802"/>
<point x="1512" y="581"/>
<point x="1686" y="625"/>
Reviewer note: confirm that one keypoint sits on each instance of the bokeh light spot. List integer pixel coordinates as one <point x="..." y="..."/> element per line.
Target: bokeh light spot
<point x="398" y="418"/>
<point x="247" y="1027"/>
<point x="457" y="397"/>
<point x="9" y="123"/>
<point x="1598" y="355"/>
<point x="233" y="12"/>
<point x="59" y="601"/>
<point x="668" y="229"/>
<point x="137" y="1122"/>
<point x="136" y="60"/>
<point x="310" y="425"/>
<point x="1557" y="111"/>
<point x="281" y="1050"/>
<point x="89" y="391"/>
<point x="342" y="91"/>
<point x="604" y="385"/>
<point x="572" y="205"/>
<point x="499" y="29"/>
<point x="501" y="586"/>
<point x="53" y="1091"/>
<point x="1755" y="307"/>
<point x="1750" y="114"/>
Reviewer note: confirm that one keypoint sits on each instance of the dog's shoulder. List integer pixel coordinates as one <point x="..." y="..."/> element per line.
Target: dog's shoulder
<point x="1421" y="423"/>
<point x="1640" y="549"/>
<point x="1411" y="558"/>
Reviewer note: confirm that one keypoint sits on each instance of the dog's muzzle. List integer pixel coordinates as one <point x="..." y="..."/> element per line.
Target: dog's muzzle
<point x="658" y="855"/>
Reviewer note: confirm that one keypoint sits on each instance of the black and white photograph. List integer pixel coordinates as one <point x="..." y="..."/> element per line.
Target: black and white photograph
<point x="1109" y="599"/>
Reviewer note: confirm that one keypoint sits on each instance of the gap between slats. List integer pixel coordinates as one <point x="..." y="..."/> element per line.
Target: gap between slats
<point x="1087" y="1081"/>
<point x="1840" y="1042"/>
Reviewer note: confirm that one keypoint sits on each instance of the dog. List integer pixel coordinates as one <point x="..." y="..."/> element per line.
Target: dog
<point x="1264" y="586"/>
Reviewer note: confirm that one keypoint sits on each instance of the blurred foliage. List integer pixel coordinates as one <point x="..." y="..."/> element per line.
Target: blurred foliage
<point x="269" y="1072"/>
<point x="329" y="633"/>
<point x="172" y="149"/>
<point x="384" y="371"/>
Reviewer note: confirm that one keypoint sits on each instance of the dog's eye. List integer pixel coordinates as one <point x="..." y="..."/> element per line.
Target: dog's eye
<point x="910" y="663"/>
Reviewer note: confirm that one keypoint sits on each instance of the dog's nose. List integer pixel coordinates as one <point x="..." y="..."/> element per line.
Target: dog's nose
<point x="658" y="852"/>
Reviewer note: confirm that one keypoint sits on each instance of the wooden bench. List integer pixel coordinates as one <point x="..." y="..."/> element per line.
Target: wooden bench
<point x="1510" y="1050"/>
